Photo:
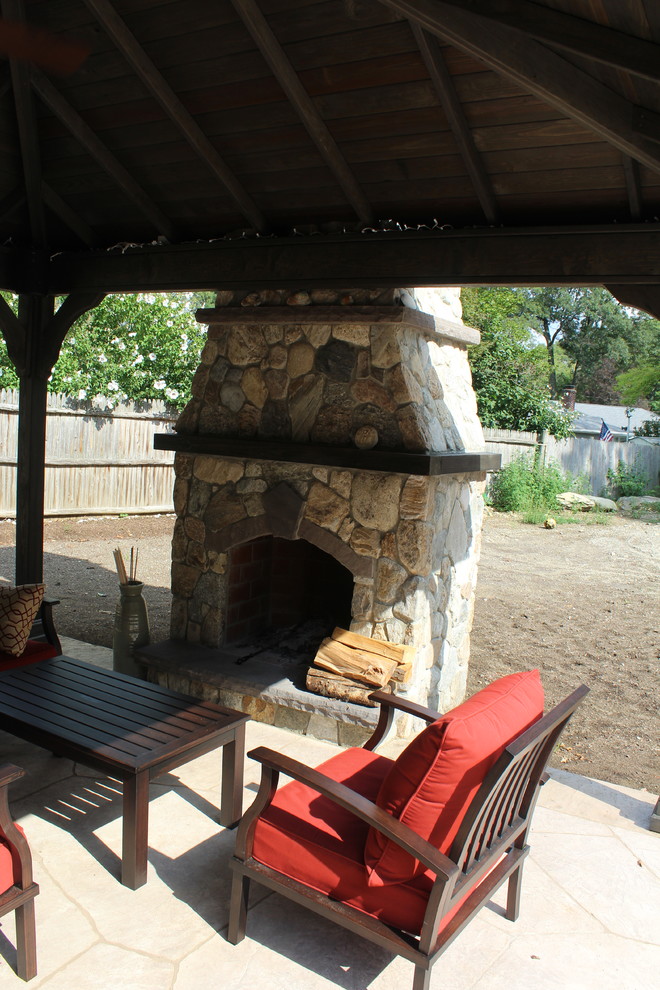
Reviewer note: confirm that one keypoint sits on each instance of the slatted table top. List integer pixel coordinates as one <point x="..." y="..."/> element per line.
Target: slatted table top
<point x="106" y="719"/>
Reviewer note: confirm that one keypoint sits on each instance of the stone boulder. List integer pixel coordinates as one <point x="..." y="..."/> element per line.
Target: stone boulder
<point x="605" y="504"/>
<point x="645" y="502"/>
<point x="573" y="500"/>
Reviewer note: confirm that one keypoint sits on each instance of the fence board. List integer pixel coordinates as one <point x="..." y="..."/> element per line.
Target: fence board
<point x="579" y="455"/>
<point x="98" y="459"/>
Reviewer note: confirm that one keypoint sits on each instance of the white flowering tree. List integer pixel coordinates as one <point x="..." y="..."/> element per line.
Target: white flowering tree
<point x="131" y="347"/>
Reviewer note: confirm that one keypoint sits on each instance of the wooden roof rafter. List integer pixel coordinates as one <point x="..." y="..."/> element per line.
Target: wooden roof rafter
<point x="571" y="33"/>
<point x="444" y="86"/>
<point x="98" y="150"/>
<point x="27" y="132"/>
<point x="172" y="105"/>
<point x="537" y="69"/>
<point x="272" y="51"/>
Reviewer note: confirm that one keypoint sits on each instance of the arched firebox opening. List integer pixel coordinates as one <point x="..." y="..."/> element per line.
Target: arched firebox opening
<point x="279" y="588"/>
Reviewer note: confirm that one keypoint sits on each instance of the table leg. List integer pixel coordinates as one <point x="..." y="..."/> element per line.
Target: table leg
<point x="233" y="757"/>
<point x="135" y="830"/>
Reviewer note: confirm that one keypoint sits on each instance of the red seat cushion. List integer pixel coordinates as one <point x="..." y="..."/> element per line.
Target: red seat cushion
<point x="34" y="651"/>
<point x="7" y="875"/>
<point x="309" y="838"/>
<point x="432" y="783"/>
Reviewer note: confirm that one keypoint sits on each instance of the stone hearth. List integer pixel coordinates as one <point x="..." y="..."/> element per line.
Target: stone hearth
<point x="329" y="466"/>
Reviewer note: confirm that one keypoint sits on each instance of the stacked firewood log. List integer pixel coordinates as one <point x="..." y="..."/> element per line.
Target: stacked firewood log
<point x="351" y="667"/>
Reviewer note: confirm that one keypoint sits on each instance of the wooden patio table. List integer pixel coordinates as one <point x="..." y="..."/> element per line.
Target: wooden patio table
<point x="130" y="730"/>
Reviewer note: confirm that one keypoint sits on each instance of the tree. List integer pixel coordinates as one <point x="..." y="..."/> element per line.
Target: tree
<point x="130" y="347"/>
<point x="601" y="337"/>
<point x="641" y="385"/>
<point x="510" y="384"/>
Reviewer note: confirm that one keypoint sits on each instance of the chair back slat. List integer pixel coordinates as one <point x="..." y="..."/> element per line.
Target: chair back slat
<point x="499" y="810"/>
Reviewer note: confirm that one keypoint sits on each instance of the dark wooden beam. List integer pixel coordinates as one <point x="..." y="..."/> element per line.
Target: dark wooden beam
<point x="574" y="34"/>
<point x="33" y="340"/>
<point x="646" y="123"/>
<point x="68" y="216"/>
<point x="12" y="202"/>
<point x="95" y="147"/>
<point x="174" y="108"/>
<point x="633" y="187"/>
<point x="444" y="86"/>
<point x="34" y="314"/>
<point x="398" y="461"/>
<point x="14" y="333"/>
<point x="538" y="70"/>
<point x="644" y="297"/>
<point x="303" y="105"/>
<point x="27" y="132"/>
<point x="581" y="256"/>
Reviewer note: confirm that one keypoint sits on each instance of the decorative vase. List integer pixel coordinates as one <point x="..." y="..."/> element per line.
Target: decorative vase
<point x="131" y="629"/>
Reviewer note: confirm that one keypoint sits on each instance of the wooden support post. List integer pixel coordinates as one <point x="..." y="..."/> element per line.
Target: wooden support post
<point x="33" y="341"/>
<point x="34" y="314"/>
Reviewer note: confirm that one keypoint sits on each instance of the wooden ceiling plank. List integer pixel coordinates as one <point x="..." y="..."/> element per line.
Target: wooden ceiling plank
<point x="170" y="102"/>
<point x="84" y="134"/>
<point x="27" y="131"/>
<point x="302" y="103"/>
<point x="441" y="78"/>
<point x="538" y="70"/>
<point x="69" y="217"/>
<point x="574" y="34"/>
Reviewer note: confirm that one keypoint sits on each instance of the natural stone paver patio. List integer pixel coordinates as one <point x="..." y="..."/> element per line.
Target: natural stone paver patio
<point x="589" y="916"/>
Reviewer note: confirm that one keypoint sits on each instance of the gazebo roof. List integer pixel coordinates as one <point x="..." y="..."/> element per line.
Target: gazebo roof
<point x="454" y="126"/>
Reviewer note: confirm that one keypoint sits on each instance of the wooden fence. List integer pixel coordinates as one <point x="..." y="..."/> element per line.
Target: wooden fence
<point x="579" y="456"/>
<point x="102" y="460"/>
<point x="98" y="459"/>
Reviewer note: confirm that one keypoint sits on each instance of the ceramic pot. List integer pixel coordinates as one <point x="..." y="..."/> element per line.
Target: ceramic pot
<point x="131" y="629"/>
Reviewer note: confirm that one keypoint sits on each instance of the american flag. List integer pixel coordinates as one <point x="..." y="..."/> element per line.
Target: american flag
<point x="605" y="432"/>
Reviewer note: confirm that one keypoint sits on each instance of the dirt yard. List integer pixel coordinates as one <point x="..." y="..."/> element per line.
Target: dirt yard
<point x="580" y="602"/>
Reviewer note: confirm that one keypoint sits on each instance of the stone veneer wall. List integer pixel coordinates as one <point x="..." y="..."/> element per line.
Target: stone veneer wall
<point x="411" y="542"/>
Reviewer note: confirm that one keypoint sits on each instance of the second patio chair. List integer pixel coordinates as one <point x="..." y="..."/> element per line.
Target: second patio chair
<point x="405" y="852"/>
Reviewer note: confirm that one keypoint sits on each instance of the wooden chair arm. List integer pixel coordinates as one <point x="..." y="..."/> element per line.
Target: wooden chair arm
<point x="388" y="704"/>
<point x="358" y="805"/>
<point x="9" y="773"/>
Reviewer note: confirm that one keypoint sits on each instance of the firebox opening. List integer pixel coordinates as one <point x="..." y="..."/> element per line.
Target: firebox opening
<point x="278" y="584"/>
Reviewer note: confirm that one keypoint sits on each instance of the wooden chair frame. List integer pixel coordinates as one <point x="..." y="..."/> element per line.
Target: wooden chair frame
<point x="489" y="849"/>
<point x="43" y="627"/>
<point x="19" y="898"/>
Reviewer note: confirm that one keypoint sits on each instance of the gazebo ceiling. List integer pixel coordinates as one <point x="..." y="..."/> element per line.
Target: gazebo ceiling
<point x="467" y="121"/>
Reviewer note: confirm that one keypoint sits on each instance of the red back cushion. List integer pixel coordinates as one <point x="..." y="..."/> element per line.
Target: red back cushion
<point x="433" y="781"/>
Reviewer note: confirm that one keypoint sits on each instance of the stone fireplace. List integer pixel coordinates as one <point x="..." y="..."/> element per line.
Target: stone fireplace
<point x="329" y="471"/>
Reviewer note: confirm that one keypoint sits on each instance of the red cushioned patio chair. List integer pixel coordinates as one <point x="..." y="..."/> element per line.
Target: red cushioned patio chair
<point x="405" y="852"/>
<point x="17" y="889"/>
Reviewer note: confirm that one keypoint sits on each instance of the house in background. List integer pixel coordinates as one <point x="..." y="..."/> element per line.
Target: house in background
<point x="589" y="418"/>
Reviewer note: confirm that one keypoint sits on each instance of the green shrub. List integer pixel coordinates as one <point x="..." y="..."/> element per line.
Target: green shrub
<point x="524" y="485"/>
<point x="626" y="480"/>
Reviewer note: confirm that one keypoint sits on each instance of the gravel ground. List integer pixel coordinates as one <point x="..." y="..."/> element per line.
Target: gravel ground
<point x="580" y="602"/>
